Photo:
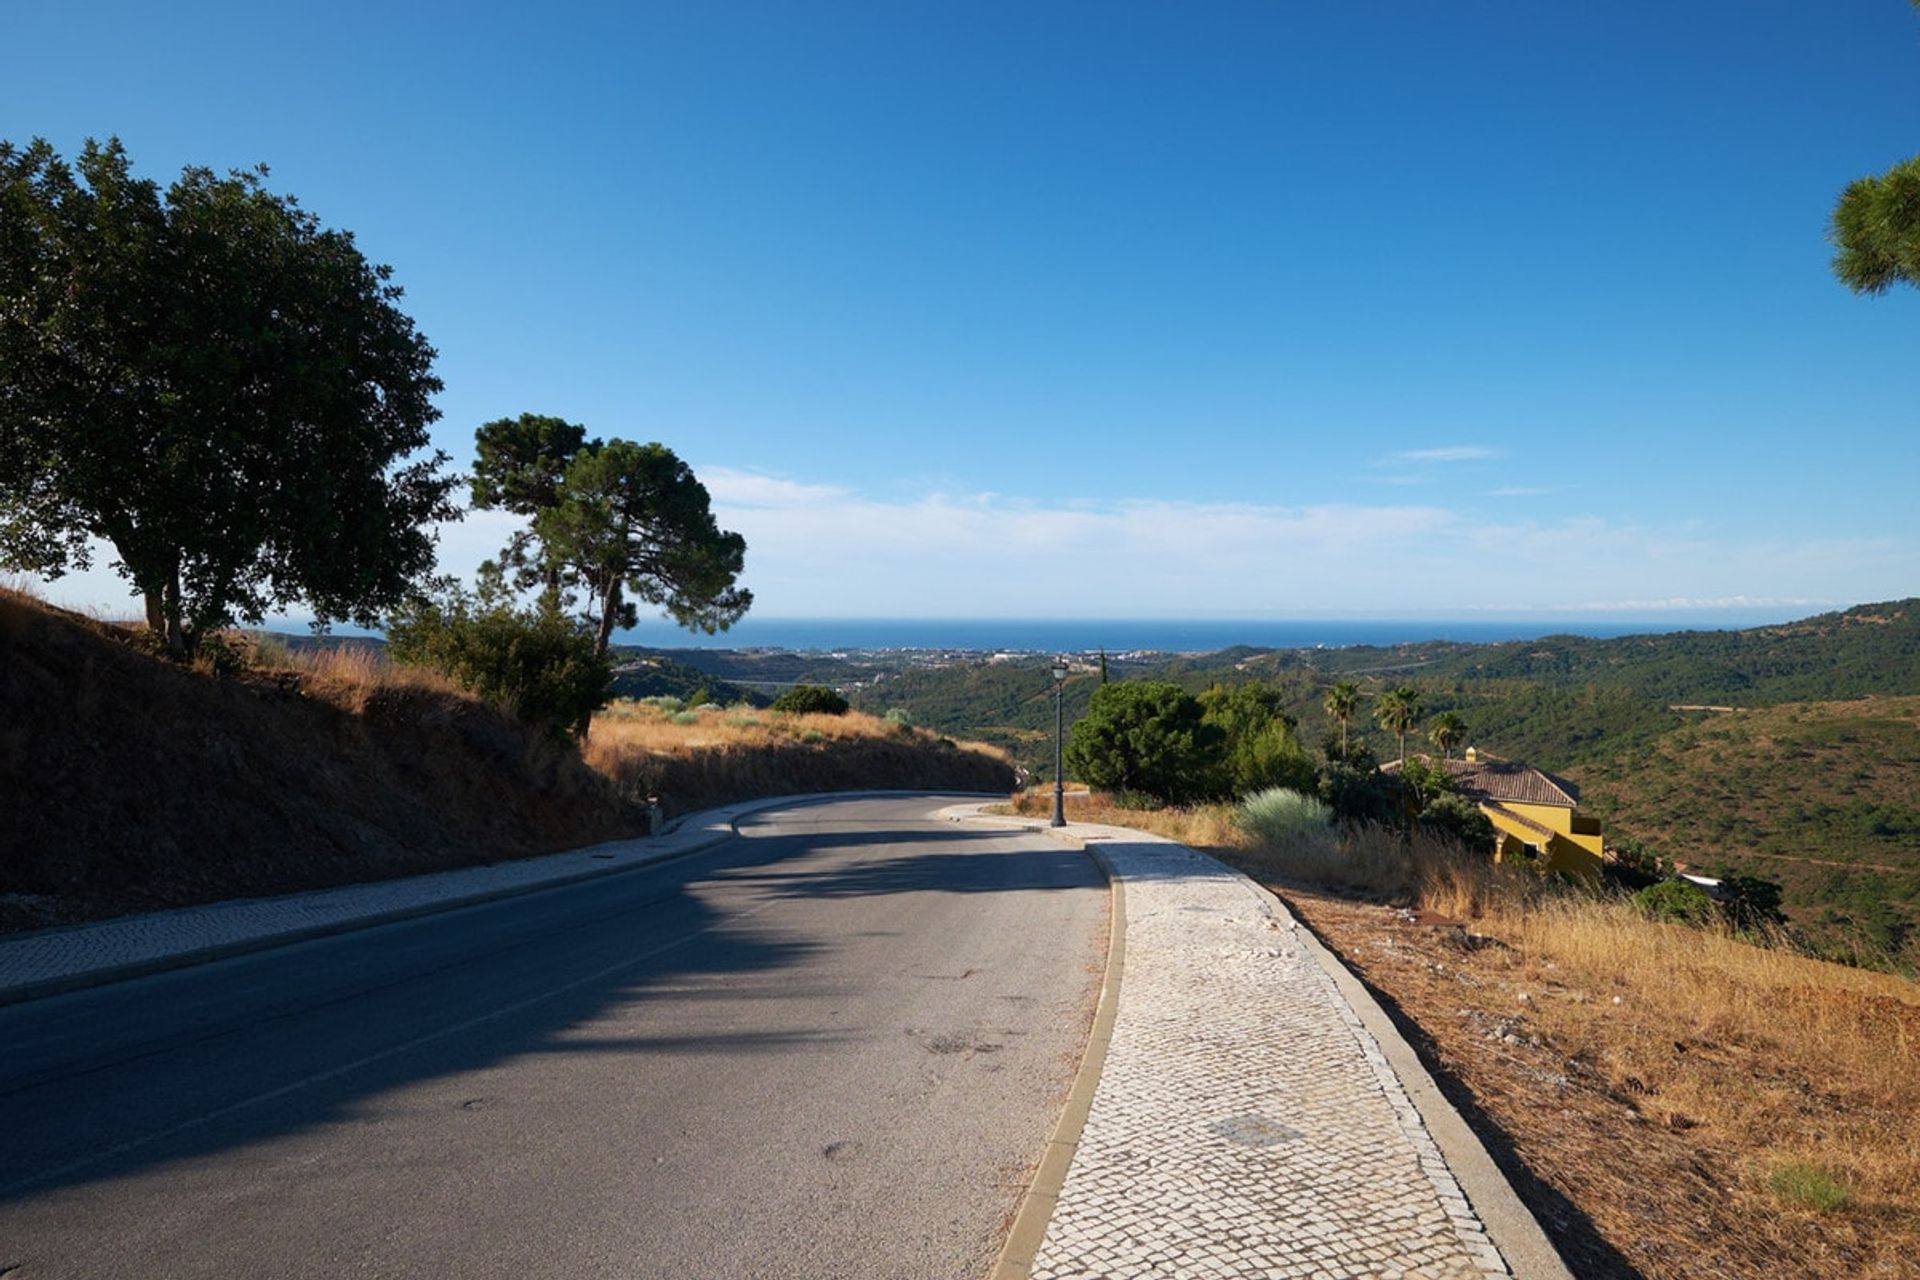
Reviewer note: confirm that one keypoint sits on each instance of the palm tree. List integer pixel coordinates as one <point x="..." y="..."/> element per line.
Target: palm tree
<point x="1398" y="711"/>
<point x="1342" y="700"/>
<point x="1445" y="732"/>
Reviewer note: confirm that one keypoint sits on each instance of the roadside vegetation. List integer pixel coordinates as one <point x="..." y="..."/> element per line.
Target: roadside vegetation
<point x="1805" y="777"/>
<point x="138" y="782"/>
<point x="694" y="757"/>
<point x="1715" y="1104"/>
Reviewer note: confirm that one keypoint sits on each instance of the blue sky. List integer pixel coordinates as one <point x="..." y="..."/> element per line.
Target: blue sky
<point x="1223" y="310"/>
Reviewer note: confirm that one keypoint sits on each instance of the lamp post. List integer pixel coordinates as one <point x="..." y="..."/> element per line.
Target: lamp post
<point x="1059" y="778"/>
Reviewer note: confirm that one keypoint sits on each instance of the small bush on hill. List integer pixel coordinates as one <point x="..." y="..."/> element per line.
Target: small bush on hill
<point x="1636" y="865"/>
<point x="1752" y="902"/>
<point x="535" y="662"/>
<point x="1458" y="818"/>
<point x="1279" y="816"/>
<point x="811" y="699"/>
<point x="1677" y="902"/>
<point x="1356" y="794"/>
<point x="1148" y="738"/>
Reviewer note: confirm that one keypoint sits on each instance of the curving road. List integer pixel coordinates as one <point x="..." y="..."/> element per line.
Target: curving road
<point x="833" y="1046"/>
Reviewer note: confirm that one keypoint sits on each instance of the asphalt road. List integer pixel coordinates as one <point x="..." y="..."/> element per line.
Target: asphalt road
<point x="832" y="1047"/>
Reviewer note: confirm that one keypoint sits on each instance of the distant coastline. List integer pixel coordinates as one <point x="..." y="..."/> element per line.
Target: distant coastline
<point x="987" y="635"/>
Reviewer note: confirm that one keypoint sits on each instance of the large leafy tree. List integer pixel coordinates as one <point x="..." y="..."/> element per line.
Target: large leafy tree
<point x="222" y="390"/>
<point x="631" y="524"/>
<point x="1876" y="229"/>
<point x="1146" y="738"/>
<point x="519" y="465"/>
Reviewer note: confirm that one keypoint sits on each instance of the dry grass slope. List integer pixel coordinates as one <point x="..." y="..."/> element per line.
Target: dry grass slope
<point x="128" y="783"/>
<point x="133" y="784"/>
<point x="710" y="755"/>
<point x="1692" y="1105"/>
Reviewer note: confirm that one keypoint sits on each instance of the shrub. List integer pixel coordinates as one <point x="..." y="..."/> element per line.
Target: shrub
<point x="1280" y="816"/>
<point x="1260" y="748"/>
<point x="1356" y="794"/>
<point x="535" y="662"/>
<point x="1458" y="818"/>
<point x="1677" y="902"/>
<point x="1147" y="738"/>
<point x="811" y="699"/>
<point x="684" y="717"/>
<point x="900" y="718"/>
<point x="1753" y="902"/>
<point x="1637" y="865"/>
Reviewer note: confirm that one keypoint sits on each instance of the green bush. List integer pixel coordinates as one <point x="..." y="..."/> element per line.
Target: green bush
<point x="1147" y="738"/>
<point x="1260" y="749"/>
<point x="1356" y="794"/>
<point x="1458" y="818"/>
<point x="536" y="662"/>
<point x="811" y="699"/>
<point x="1752" y="902"/>
<point x="1677" y="902"/>
<point x="1279" y="816"/>
<point x="1636" y="864"/>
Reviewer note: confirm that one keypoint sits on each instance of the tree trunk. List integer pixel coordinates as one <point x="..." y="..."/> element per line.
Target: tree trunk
<point x="609" y="610"/>
<point x="163" y="617"/>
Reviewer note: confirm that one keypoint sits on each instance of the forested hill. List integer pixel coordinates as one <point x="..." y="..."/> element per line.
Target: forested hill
<point x="1868" y="649"/>
<point x="1556" y="700"/>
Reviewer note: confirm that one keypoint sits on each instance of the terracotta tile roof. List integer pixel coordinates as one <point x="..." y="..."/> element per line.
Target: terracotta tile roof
<point x="1491" y="779"/>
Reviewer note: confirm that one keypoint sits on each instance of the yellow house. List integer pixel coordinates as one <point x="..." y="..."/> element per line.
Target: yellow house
<point x="1534" y="814"/>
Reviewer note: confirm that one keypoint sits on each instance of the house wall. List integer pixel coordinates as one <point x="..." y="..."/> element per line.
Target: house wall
<point x="1573" y="848"/>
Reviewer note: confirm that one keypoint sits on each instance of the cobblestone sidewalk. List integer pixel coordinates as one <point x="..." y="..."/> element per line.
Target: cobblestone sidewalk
<point x="1246" y="1124"/>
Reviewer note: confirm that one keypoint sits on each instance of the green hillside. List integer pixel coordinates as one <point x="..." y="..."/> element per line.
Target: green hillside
<point x="1814" y="779"/>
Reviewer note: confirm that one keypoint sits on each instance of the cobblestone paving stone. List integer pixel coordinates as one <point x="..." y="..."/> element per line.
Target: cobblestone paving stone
<point x="1245" y="1123"/>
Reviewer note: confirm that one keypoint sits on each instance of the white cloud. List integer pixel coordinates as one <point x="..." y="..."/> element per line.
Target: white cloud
<point x="825" y="550"/>
<point x="1445" y="453"/>
<point x="754" y="489"/>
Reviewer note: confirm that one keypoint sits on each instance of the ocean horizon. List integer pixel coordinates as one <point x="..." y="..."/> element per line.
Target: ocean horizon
<point x="1039" y="635"/>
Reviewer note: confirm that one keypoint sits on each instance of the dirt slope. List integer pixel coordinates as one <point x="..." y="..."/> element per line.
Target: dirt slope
<point x="129" y="784"/>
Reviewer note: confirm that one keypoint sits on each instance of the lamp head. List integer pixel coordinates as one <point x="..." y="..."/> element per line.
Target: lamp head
<point x="1059" y="668"/>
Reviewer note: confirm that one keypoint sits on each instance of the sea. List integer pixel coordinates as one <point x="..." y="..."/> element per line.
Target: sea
<point x="1035" y="635"/>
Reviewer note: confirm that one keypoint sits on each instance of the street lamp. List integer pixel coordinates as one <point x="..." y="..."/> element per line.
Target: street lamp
<point x="1059" y="778"/>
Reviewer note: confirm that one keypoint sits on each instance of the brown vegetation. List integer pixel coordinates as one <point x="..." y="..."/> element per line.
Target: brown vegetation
<point x="131" y="783"/>
<point x="1671" y="1102"/>
<point x="710" y="755"/>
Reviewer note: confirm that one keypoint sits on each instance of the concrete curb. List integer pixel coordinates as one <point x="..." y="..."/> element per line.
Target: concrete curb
<point x="1036" y="1207"/>
<point x="189" y="956"/>
<point x="1508" y="1222"/>
<point x="1515" y="1232"/>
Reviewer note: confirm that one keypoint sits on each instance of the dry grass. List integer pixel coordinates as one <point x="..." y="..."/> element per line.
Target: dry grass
<point x="141" y="784"/>
<point x="1692" y="1105"/>
<point x="713" y="755"/>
